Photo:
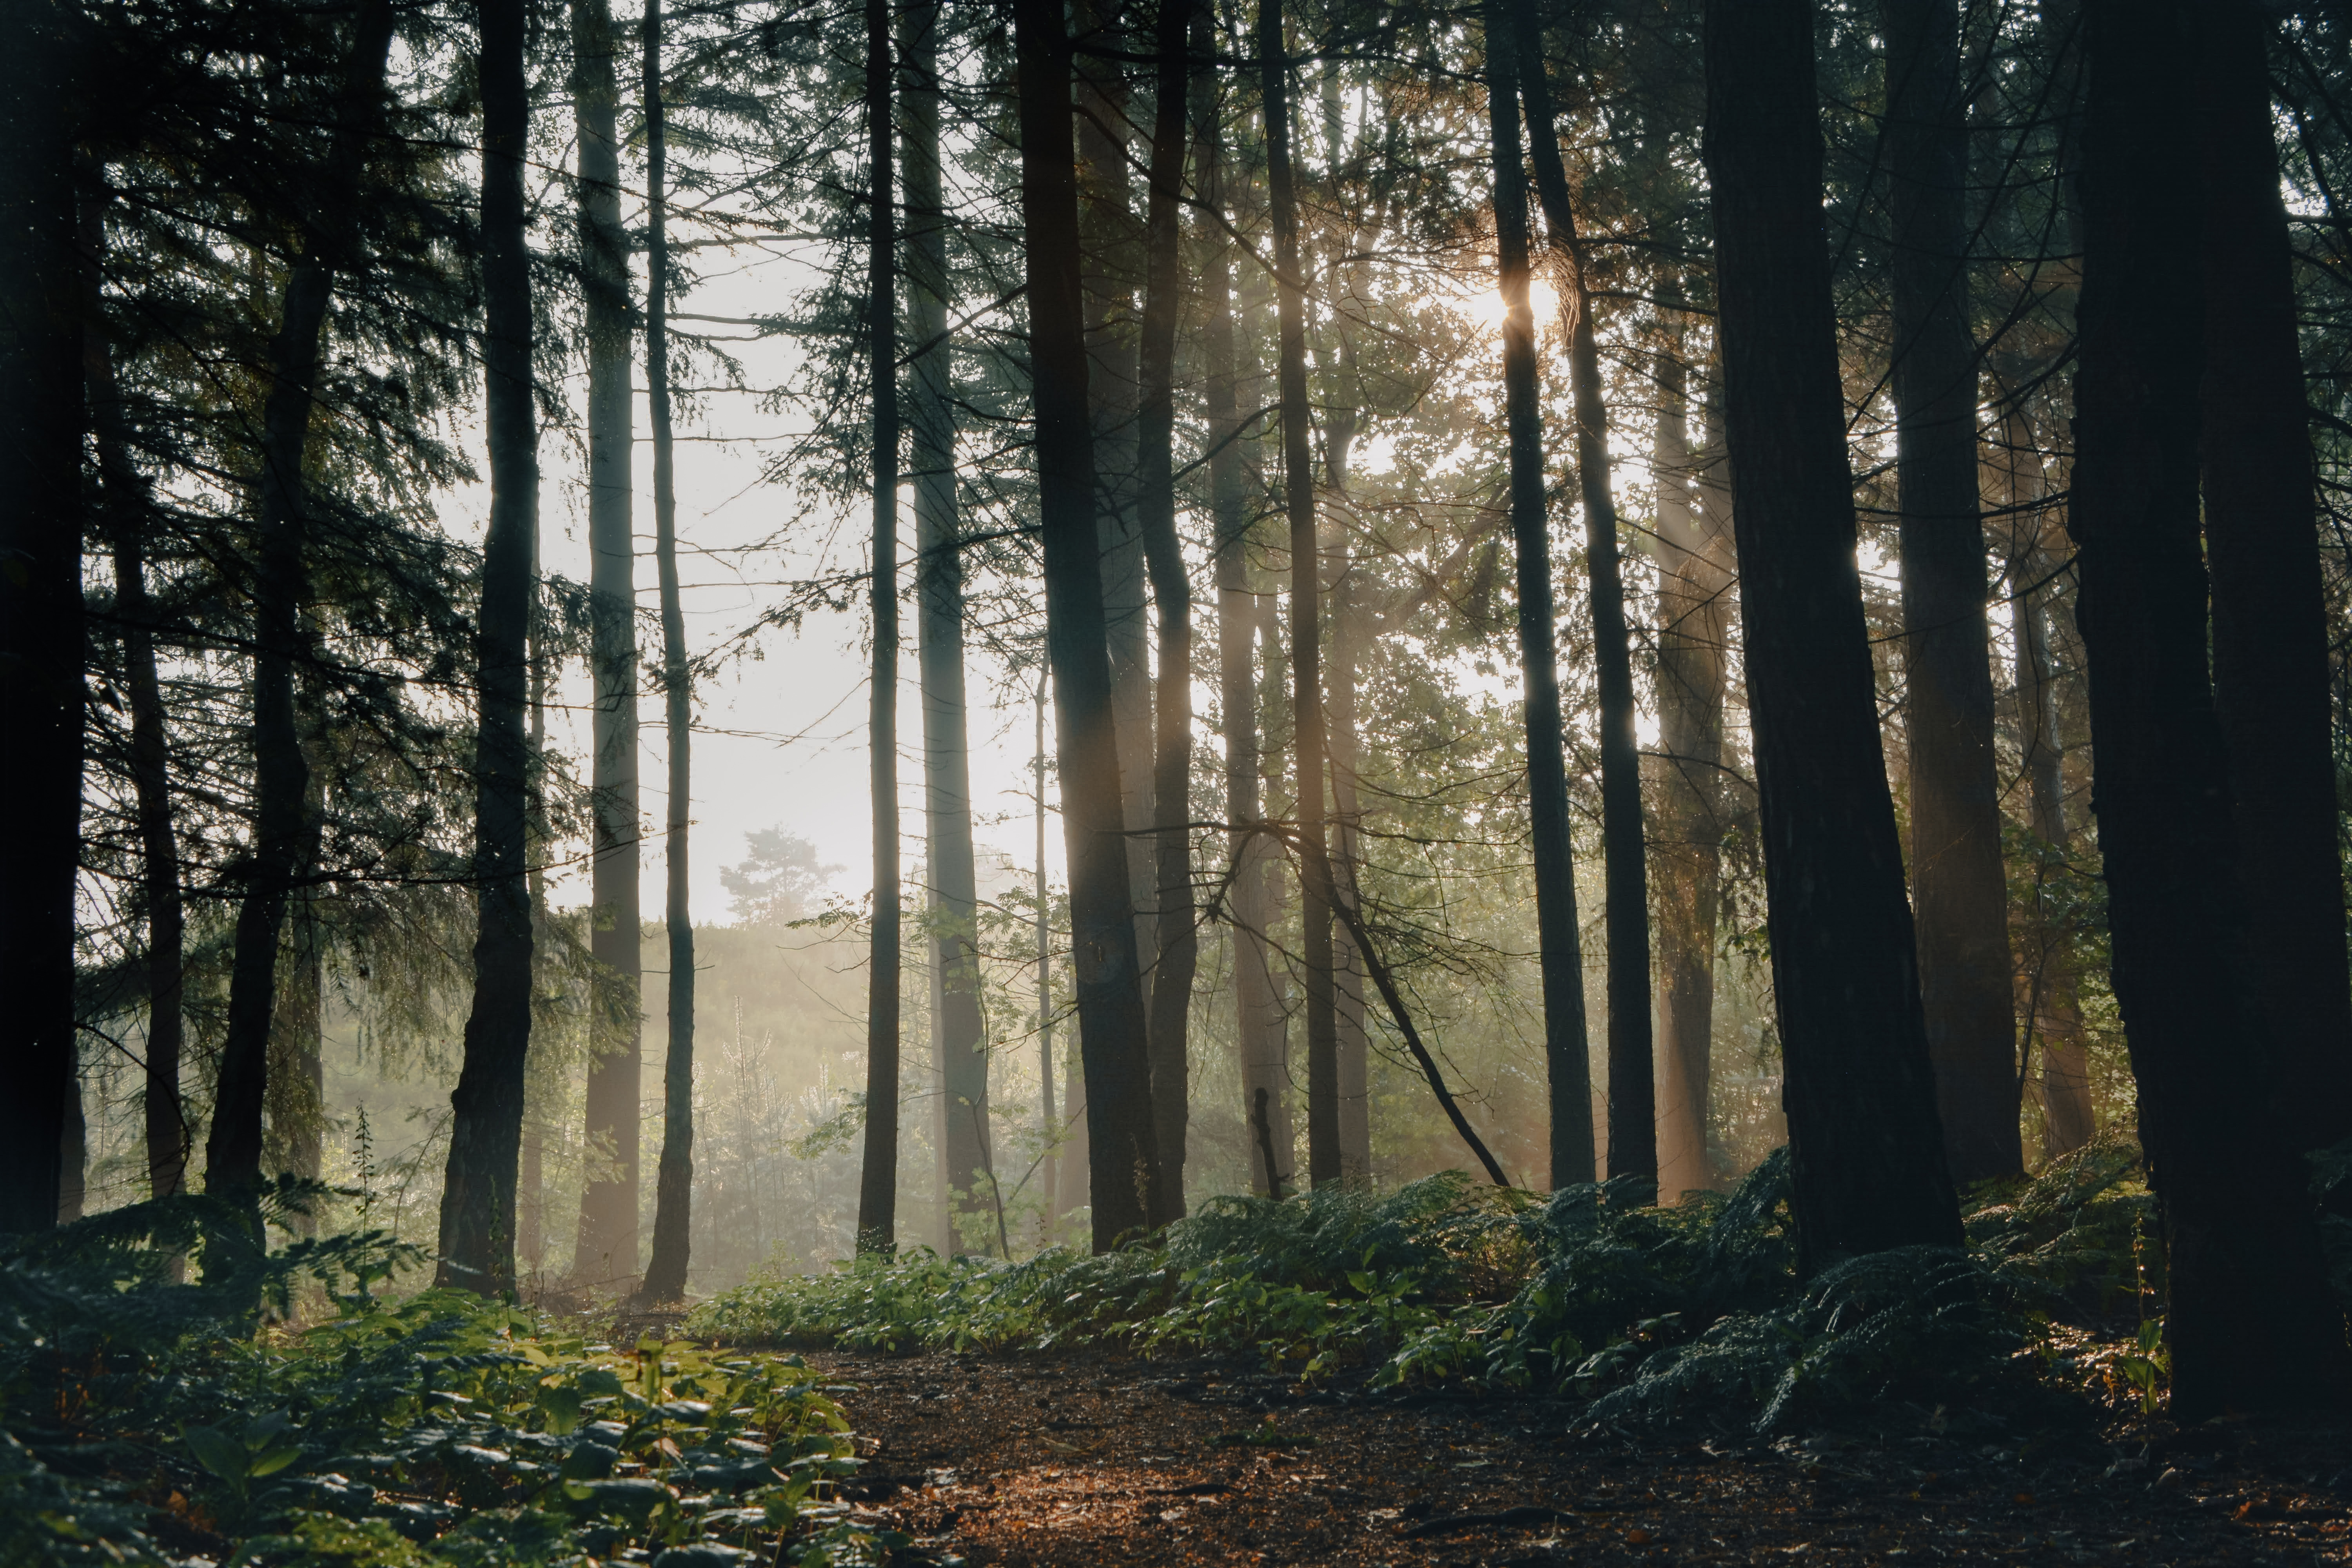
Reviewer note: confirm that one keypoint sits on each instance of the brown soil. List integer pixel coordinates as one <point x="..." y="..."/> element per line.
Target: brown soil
<point x="1085" y="1461"/>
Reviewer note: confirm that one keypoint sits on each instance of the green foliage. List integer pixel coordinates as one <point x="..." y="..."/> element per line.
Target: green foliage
<point x="1650" y="1314"/>
<point x="441" y="1429"/>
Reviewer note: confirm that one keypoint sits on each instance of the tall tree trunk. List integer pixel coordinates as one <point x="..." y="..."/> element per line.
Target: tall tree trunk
<point x="1112" y="262"/>
<point x="1339" y="426"/>
<point x="940" y="591"/>
<point x="1867" y="1146"/>
<point x="1567" y="1050"/>
<point x="124" y="504"/>
<point x="486" y="1128"/>
<point x="1632" y="1114"/>
<point x="2053" y="1010"/>
<point x="1264" y="1065"/>
<point x="2271" y="658"/>
<point x="1690" y="546"/>
<point x="41" y="699"/>
<point x="280" y="588"/>
<point x="877" y="1191"/>
<point x="1049" y="1120"/>
<point x="673" y="1177"/>
<point x="1960" y="893"/>
<point x="298" y="1100"/>
<point x="607" y="1248"/>
<point x="1176" y="937"/>
<point x="1111" y="1024"/>
<point x="1306" y="608"/>
<point x="1352" y="1048"/>
<point x="531" y="1231"/>
<point x="2251" y="1323"/>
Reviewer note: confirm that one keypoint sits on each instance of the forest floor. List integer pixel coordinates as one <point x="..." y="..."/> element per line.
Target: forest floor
<point x="1076" y="1459"/>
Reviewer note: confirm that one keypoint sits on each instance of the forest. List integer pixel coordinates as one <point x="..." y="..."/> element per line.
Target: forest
<point x="1598" y="749"/>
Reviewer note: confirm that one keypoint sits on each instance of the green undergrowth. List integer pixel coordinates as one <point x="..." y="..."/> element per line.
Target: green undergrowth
<point x="1645" y="1314"/>
<point x="147" y="1421"/>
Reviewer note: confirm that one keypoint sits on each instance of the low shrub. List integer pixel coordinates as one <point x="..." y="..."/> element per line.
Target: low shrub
<point x="1647" y="1313"/>
<point x="147" y="1420"/>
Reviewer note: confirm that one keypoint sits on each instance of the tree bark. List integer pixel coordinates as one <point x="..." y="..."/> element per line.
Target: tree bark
<point x="1632" y="1113"/>
<point x="1111" y="1025"/>
<point x="280" y="587"/>
<point x="607" y="1247"/>
<point x="477" y="1201"/>
<point x="1352" y="1048"/>
<point x="1049" y="1120"/>
<point x="2251" y="1323"/>
<point x="124" y="500"/>
<point x="1339" y="426"/>
<point x="673" y="1177"/>
<point x="1567" y="1047"/>
<point x="940" y="591"/>
<point x="531" y="1194"/>
<point x="1112" y="264"/>
<point x="41" y="701"/>
<point x="1960" y="893"/>
<point x="877" y="1190"/>
<point x="1691" y="547"/>
<point x="2271" y="656"/>
<point x="1176" y="938"/>
<point x="1306" y="609"/>
<point x="1863" y="1138"/>
<point x="1259" y="1035"/>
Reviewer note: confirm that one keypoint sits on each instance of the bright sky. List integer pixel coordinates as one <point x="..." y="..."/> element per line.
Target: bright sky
<point x="779" y="741"/>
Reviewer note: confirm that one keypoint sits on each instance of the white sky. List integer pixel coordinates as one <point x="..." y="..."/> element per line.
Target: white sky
<point x="779" y="741"/>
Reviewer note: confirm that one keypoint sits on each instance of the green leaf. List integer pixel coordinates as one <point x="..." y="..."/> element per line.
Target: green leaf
<point x="271" y="1460"/>
<point x="216" y="1452"/>
<point x="562" y="1408"/>
<point x="599" y="1381"/>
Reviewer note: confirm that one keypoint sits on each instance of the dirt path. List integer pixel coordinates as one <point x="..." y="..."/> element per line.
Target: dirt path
<point x="1081" y="1462"/>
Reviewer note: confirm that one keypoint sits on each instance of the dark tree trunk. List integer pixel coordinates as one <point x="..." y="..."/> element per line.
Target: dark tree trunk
<point x="531" y="1206"/>
<point x="298" y="1084"/>
<point x="2271" y="658"/>
<point x="280" y="587"/>
<point x="940" y="591"/>
<point x="1867" y="1149"/>
<point x="165" y="1112"/>
<point x="1567" y="1045"/>
<point x="477" y="1200"/>
<point x="1341" y="419"/>
<point x="1692" y="546"/>
<point x="1959" y="895"/>
<point x="1633" y="1104"/>
<point x="1049" y="1117"/>
<point x="674" y="1179"/>
<point x="1111" y="262"/>
<point x="607" y="1248"/>
<point x="1306" y="608"/>
<point x="1111" y="1024"/>
<point x="123" y="508"/>
<point x="877" y="1189"/>
<point x="1177" y="943"/>
<point x="73" y="1154"/>
<point x="1264" y="1064"/>
<point x="2251" y="1324"/>
<point x="41" y="699"/>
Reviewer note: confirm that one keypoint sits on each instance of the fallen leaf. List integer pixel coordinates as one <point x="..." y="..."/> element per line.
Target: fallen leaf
<point x="1637" y="1537"/>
